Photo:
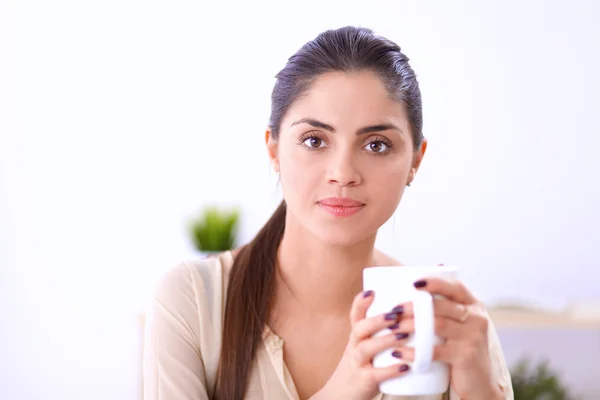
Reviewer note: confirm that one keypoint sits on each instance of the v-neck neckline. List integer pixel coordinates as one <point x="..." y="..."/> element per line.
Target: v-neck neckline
<point x="274" y="346"/>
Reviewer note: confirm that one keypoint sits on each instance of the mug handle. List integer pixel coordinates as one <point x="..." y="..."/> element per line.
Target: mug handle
<point x="424" y="336"/>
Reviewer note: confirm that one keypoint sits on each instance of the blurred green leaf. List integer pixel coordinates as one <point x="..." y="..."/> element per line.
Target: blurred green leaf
<point x="538" y="382"/>
<point x="214" y="229"/>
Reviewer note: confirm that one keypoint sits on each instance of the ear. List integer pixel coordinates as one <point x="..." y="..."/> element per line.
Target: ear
<point x="272" y="149"/>
<point x="417" y="158"/>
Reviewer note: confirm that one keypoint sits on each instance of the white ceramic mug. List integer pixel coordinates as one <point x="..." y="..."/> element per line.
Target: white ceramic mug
<point x="393" y="285"/>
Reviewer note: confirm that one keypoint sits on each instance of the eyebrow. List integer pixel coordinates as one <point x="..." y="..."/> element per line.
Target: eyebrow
<point x="367" y="129"/>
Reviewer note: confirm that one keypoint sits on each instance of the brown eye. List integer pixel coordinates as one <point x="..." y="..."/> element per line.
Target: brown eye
<point x="377" y="146"/>
<point x="314" y="142"/>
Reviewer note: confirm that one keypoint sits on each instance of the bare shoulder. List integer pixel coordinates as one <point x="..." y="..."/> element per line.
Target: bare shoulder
<point x="382" y="259"/>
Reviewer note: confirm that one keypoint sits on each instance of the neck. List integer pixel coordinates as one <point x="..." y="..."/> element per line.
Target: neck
<point x="319" y="279"/>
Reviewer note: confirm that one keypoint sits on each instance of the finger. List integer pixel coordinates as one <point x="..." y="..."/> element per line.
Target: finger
<point x="405" y="353"/>
<point x="367" y="327"/>
<point x="445" y="352"/>
<point x="445" y="327"/>
<point x="360" y="304"/>
<point x="369" y="348"/>
<point x="452" y="289"/>
<point x="450" y="329"/>
<point x="442" y="352"/>
<point x="442" y="307"/>
<point x="378" y="375"/>
<point x="406" y="325"/>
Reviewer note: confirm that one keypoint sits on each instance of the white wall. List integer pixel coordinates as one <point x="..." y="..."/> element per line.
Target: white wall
<point x="119" y="119"/>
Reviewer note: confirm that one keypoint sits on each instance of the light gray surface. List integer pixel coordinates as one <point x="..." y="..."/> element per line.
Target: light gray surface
<point x="574" y="354"/>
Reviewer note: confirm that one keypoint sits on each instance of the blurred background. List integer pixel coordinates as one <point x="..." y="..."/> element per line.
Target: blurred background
<point x="122" y="120"/>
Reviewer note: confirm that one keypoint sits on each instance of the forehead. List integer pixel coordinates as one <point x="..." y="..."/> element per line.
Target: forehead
<point x="347" y="99"/>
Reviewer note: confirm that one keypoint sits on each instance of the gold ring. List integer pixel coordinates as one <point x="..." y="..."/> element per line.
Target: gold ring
<point x="466" y="314"/>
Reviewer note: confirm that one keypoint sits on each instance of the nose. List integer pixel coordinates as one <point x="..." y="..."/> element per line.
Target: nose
<point x="343" y="171"/>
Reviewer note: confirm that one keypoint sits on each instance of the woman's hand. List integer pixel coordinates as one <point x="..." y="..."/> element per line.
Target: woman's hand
<point x="462" y="320"/>
<point x="355" y="378"/>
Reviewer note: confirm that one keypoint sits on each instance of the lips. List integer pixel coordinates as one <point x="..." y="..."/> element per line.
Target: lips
<point x="341" y="207"/>
<point x="341" y="202"/>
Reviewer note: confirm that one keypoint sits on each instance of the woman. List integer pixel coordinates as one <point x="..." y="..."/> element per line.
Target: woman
<point x="345" y="137"/>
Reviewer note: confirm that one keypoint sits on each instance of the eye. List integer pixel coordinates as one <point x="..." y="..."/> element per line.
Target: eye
<point x="314" y="142"/>
<point x="378" y="146"/>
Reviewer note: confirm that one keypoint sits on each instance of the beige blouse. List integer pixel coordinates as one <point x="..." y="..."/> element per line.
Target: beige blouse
<point x="183" y="340"/>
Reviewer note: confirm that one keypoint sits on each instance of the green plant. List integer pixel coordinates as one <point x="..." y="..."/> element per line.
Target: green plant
<point x="538" y="382"/>
<point x="214" y="230"/>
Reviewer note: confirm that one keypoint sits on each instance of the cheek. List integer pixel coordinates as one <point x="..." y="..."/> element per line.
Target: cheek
<point x="392" y="174"/>
<point x="386" y="184"/>
<point x="299" y="177"/>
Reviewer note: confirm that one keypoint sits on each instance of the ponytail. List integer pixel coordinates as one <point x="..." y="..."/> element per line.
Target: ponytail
<point x="251" y="287"/>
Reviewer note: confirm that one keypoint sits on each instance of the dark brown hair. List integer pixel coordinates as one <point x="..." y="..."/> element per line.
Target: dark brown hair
<point x="252" y="279"/>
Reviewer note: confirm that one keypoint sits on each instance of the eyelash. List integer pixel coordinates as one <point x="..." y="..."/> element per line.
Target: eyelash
<point x="313" y="135"/>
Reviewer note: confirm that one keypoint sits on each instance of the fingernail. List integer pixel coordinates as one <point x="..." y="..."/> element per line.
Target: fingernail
<point x="367" y="293"/>
<point x="420" y="284"/>
<point x="398" y="309"/>
<point x="391" y="316"/>
<point x="402" y="335"/>
<point x="403" y="368"/>
<point x="395" y="326"/>
<point x="396" y="354"/>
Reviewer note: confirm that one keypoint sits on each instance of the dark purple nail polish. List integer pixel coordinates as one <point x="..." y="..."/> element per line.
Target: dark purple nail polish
<point x="398" y="309"/>
<point x="396" y="354"/>
<point x="391" y="316"/>
<point x="420" y="284"/>
<point x="367" y="293"/>
<point x="402" y="335"/>
<point x="395" y="326"/>
<point x="403" y="368"/>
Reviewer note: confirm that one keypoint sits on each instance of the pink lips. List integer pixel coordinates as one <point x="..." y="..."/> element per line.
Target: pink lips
<point x="341" y="206"/>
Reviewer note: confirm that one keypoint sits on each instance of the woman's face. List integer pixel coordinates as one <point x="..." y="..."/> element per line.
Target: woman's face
<point x="344" y="138"/>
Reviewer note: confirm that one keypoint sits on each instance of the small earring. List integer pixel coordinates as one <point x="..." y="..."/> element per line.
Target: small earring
<point x="408" y="184"/>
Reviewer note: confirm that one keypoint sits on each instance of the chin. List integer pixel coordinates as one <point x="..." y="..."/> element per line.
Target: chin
<point x="341" y="236"/>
